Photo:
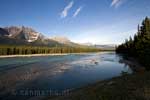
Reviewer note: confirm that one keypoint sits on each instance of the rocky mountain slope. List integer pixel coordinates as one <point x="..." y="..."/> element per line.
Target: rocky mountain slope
<point x="24" y="36"/>
<point x="23" y="33"/>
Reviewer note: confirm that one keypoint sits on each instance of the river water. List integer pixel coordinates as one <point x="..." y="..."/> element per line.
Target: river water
<point x="19" y="75"/>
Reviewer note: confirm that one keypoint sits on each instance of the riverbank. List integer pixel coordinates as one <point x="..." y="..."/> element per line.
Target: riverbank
<point x="125" y="87"/>
<point x="36" y="55"/>
<point x="31" y="55"/>
<point x="133" y="63"/>
<point x="53" y="54"/>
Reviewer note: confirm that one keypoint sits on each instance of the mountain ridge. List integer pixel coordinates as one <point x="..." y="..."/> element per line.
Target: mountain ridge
<point x="28" y="36"/>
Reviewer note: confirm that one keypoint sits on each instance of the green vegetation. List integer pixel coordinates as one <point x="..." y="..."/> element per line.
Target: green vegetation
<point x="23" y="50"/>
<point x="139" y="47"/>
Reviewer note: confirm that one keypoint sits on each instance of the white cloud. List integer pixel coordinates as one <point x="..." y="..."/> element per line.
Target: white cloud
<point x="64" y="13"/>
<point x="116" y="3"/>
<point x="77" y="11"/>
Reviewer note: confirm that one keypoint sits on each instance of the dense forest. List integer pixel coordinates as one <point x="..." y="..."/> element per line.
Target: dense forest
<point x="23" y="50"/>
<point x="138" y="46"/>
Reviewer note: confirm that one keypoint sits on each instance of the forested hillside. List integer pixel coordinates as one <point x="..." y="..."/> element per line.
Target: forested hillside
<point x="23" y="50"/>
<point x="139" y="46"/>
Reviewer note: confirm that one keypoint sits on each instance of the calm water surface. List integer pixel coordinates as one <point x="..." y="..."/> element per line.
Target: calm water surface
<point x="57" y="72"/>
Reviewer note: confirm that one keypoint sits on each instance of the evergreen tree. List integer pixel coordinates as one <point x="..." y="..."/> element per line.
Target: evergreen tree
<point x="139" y="47"/>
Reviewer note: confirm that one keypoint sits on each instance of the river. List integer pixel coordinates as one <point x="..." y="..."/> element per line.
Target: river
<point x="56" y="73"/>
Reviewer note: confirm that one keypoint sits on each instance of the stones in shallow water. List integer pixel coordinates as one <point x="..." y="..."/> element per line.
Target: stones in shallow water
<point x="96" y="63"/>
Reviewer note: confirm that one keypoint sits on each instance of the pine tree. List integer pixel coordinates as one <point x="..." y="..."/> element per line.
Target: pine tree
<point x="139" y="47"/>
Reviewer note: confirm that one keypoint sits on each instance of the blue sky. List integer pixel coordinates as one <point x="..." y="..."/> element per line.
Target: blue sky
<point x="95" y="21"/>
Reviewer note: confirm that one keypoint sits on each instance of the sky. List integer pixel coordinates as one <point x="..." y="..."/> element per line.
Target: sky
<point x="82" y="21"/>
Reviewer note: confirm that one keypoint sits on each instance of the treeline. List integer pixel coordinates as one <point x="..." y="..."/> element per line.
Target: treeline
<point x="24" y="50"/>
<point x="139" y="46"/>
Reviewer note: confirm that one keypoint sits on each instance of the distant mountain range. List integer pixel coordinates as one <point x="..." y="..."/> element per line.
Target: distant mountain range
<point x="27" y="36"/>
<point x="101" y="46"/>
<point x="106" y="47"/>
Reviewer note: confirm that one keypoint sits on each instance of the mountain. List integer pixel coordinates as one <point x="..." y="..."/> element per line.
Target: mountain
<point x="106" y="47"/>
<point x="87" y="44"/>
<point x="3" y="32"/>
<point x="27" y="36"/>
<point x="63" y="40"/>
<point x="22" y="33"/>
<point x="24" y="36"/>
<point x="103" y="47"/>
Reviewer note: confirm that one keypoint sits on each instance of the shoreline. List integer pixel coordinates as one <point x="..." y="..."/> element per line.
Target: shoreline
<point x="30" y="55"/>
<point x="134" y="64"/>
<point x="37" y="55"/>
